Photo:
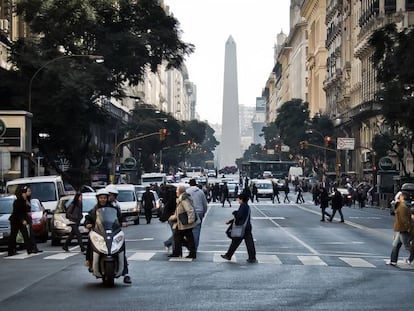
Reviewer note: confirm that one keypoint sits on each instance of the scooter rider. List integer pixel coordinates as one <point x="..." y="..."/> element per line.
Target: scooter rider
<point x="112" y="199"/>
<point x="103" y="201"/>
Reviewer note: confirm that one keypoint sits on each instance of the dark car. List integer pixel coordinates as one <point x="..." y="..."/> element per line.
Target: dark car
<point x="407" y="188"/>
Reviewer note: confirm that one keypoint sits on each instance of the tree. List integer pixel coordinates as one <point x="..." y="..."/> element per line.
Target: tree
<point x="291" y="121"/>
<point x="131" y="35"/>
<point x="393" y="60"/>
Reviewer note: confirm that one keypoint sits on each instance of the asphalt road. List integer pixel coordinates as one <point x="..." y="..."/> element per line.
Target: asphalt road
<point x="303" y="264"/>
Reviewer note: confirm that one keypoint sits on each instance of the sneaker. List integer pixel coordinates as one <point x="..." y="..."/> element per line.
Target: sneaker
<point x="225" y="257"/>
<point x="65" y="248"/>
<point x="408" y="262"/>
<point x="391" y="263"/>
<point x="127" y="279"/>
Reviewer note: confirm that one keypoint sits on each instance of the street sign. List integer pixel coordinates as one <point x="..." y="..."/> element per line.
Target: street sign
<point x="386" y="164"/>
<point x="345" y="143"/>
<point x="130" y="163"/>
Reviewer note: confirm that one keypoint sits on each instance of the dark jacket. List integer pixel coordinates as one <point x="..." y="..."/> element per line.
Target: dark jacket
<point x="241" y="214"/>
<point x="337" y="201"/>
<point x="324" y="197"/>
<point x="20" y="212"/>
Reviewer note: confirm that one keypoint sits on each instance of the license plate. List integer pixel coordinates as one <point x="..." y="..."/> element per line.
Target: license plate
<point x="1" y="235"/>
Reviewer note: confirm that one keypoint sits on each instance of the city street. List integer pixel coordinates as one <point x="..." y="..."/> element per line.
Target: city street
<point x="303" y="264"/>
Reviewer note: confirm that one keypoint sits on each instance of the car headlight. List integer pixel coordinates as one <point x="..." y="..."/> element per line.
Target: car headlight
<point x="133" y="209"/>
<point x="98" y="242"/>
<point x="59" y="224"/>
<point x="117" y="242"/>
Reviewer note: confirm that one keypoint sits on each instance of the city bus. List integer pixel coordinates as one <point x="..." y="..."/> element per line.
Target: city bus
<point x="194" y="171"/>
<point x="279" y="169"/>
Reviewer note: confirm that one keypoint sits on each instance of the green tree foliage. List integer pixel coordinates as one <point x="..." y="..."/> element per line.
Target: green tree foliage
<point x="393" y="60"/>
<point x="291" y="121"/>
<point x="129" y="34"/>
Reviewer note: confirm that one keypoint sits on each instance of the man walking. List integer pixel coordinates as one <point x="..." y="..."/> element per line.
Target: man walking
<point x="200" y="206"/>
<point x="148" y="200"/>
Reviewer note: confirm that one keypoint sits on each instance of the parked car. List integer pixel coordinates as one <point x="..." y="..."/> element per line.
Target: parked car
<point x="211" y="173"/>
<point x="6" y="208"/>
<point x="39" y="220"/>
<point x="60" y="228"/>
<point x="38" y="214"/>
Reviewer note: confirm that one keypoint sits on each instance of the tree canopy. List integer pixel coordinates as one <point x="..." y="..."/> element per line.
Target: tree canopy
<point x="130" y="35"/>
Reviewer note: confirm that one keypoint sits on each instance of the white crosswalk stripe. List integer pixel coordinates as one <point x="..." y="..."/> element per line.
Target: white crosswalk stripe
<point x="271" y="259"/>
<point x="61" y="256"/>
<point x="357" y="262"/>
<point x="312" y="261"/>
<point x="141" y="256"/>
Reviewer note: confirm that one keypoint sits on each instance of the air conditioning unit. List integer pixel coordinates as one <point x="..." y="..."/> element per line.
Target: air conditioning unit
<point x="4" y="25"/>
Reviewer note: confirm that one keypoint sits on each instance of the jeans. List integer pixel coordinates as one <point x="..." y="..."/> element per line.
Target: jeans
<point x="196" y="234"/>
<point x="400" y="238"/>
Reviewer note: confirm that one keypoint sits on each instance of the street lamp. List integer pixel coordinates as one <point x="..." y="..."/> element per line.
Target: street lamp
<point x="97" y="58"/>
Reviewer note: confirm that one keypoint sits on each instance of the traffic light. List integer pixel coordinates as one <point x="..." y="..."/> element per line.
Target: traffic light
<point x="327" y="140"/>
<point x="163" y="133"/>
<point x="188" y="142"/>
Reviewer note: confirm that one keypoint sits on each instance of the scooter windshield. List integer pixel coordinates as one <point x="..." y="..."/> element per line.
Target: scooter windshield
<point x="107" y="219"/>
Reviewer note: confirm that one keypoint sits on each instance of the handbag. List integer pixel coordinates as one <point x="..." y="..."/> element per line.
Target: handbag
<point x="183" y="218"/>
<point x="238" y="231"/>
<point x="19" y="237"/>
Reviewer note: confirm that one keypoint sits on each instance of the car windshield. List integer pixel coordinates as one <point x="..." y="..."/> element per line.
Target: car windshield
<point x="6" y="206"/>
<point x="126" y="196"/>
<point x="44" y="191"/>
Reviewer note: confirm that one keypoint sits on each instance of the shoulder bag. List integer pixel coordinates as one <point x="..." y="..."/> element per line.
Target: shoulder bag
<point x="238" y="231"/>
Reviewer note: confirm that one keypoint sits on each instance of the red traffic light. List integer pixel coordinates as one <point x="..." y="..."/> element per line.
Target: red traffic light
<point x="163" y="133"/>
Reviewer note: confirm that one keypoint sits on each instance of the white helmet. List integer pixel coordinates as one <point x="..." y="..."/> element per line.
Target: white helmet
<point x="112" y="189"/>
<point x="102" y="192"/>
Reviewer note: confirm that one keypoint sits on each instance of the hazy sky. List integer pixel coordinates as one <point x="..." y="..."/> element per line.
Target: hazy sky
<point x="254" y="25"/>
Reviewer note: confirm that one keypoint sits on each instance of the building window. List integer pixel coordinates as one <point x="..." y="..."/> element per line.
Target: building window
<point x="409" y="5"/>
<point x="390" y="6"/>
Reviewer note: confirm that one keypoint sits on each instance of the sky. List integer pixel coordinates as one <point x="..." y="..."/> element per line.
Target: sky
<point x="253" y="24"/>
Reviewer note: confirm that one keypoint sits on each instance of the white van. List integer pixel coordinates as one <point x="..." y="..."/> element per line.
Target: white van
<point x="153" y="178"/>
<point x="47" y="189"/>
<point x="128" y="201"/>
<point x="295" y="172"/>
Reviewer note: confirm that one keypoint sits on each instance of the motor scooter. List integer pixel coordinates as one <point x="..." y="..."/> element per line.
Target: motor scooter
<point x="108" y="246"/>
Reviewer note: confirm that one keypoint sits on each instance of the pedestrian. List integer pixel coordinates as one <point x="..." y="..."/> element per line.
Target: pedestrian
<point x="170" y="204"/>
<point x="324" y="199"/>
<point x="402" y="227"/>
<point x="275" y="192"/>
<point x="286" y="189"/>
<point x="148" y="200"/>
<point x="241" y="216"/>
<point x="184" y="219"/>
<point x="20" y="220"/>
<point x="236" y="192"/>
<point x="225" y="195"/>
<point x="255" y="193"/>
<point x="337" y="203"/>
<point x="200" y="206"/>
<point x="74" y="214"/>
<point x="299" y="197"/>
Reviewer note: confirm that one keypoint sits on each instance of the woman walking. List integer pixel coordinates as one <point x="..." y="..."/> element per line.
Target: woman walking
<point x="20" y="220"/>
<point x="74" y="214"/>
<point x="324" y="198"/>
<point x="241" y="216"/>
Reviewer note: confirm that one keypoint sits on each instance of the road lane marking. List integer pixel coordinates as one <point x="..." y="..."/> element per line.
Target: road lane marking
<point x="181" y="259"/>
<point x="217" y="258"/>
<point x="357" y="262"/>
<point x="271" y="259"/>
<point x="61" y="256"/>
<point x="267" y="217"/>
<point x="138" y="256"/>
<point x="291" y="235"/>
<point x="22" y="256"/>
<point x="312" y="261"/>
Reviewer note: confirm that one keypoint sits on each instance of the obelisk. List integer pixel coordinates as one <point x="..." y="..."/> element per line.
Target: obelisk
<point x="230" y="147"/>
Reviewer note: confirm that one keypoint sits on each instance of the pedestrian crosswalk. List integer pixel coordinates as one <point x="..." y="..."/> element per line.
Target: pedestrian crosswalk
<point x="238" y="258"/>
